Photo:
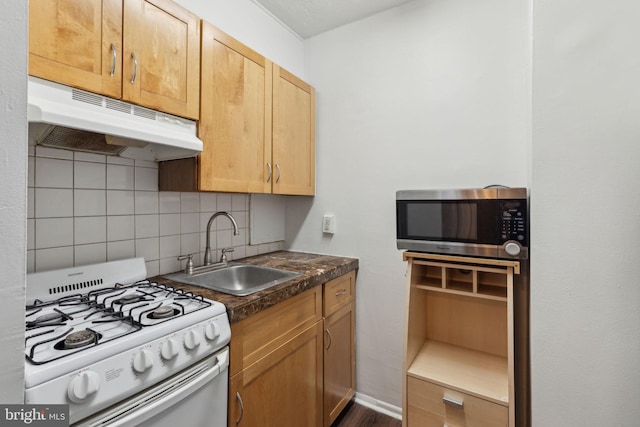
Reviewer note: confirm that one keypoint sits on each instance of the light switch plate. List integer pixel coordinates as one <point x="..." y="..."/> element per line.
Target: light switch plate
<point x="329" y="224"/>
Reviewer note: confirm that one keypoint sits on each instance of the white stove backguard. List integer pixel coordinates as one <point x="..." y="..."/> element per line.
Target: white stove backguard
<point x="54" y="284"/>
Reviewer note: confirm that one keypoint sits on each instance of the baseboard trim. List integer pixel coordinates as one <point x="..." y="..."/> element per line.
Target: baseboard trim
<point x="379" y="406"/>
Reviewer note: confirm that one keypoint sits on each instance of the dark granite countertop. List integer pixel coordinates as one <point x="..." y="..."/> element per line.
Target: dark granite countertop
<point x="315" y="269"/>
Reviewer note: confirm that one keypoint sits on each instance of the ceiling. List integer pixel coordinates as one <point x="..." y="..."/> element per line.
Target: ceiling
<point x="308" y="18"/>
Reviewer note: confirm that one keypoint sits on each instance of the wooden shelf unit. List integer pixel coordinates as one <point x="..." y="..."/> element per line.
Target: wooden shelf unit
<point x="459" y="341"/>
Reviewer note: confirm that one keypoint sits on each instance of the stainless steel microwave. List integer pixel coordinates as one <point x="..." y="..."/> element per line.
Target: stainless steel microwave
<point x="488" y="222"/>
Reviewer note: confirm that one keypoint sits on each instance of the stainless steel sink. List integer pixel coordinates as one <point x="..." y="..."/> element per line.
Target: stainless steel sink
<point x="235" y="279"/>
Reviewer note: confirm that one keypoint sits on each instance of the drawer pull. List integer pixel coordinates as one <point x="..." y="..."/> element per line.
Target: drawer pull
<point x="341" y="292"/>
<point x="453" y="402"/>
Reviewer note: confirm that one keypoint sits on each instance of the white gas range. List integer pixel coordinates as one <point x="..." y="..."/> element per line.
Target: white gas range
<point x="120" y="350"/>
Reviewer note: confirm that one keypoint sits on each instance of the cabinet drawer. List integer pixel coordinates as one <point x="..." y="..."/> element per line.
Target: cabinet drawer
<point x="258" y="335"/>
<point x="426" y="402"/>
<point x="338" y="292"/>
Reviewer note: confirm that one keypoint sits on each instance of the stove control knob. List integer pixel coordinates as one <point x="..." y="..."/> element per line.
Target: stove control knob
<point x="142" y="361"/>
<point x="83" y="386"/>
<point x="211" y="331"/>
<point x="192" y="339"/>
<point x="169" y="349"/>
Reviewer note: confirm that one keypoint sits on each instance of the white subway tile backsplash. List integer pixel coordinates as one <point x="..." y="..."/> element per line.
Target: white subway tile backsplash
<point x="121" y="250"/>
<point x="31" y="168"/>
<point x="169" y="246"/>
<point x="53" y="173"/>
<point x="169" y="224"/>
<point x="120" y="227"/>
<point x="146" y="202"/>
<point x="208" y="202"/>
<point x="89" y="175"/>
<point x="190" y="244"/>
<point x="169" y="202"/>
<point x="149" y="249"/>
<point x="239" y="202"/>
<point x="52" y="232"/>
<point x="90" y="229"/>
<point x="146" y="164"/>
<point x="147" y="226"/>
<point x="120" y="202"/>
<point x="146" y="179"/>
<point x="54" y="153"/>
<point x="31" y="203"/>
<point x="114" y="160"/>
<point x="53" y="258"/>
<point x="120" y="177"/>
<point x="85" y="208"/>
<point x="31" y="234"/>
<point x="153" y="268"/>
<point x="224" y="202"/>
<point x="80" y="156"/>
<point x="89" y="202"/>
<point x="189" y="222"/>
<point x="169" y="265"/>
<point x="189" y="202"/>
<point x="90" y="254"/>
<point x="53" y="202"/>
<point x="31" y="261"/>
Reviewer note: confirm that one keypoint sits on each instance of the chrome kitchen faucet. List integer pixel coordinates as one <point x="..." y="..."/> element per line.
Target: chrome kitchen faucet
<point x="207" y="251"/>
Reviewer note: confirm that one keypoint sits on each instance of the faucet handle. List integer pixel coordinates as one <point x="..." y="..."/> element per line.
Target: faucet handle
<point x="188" y="269"/>
<point x="223" y="258"/>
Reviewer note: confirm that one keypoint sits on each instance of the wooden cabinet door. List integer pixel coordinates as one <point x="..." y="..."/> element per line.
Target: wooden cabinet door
<point x="161" y="57"/>
<point x="293" y="134"/>
<point x="235" y="124"/>
<point x="284" y="388"/>
<point x="339" y="362"/>
<point x="77" y="43"/>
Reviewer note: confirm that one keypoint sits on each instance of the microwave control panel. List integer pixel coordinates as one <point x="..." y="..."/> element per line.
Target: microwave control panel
<point x="514" y="221"/>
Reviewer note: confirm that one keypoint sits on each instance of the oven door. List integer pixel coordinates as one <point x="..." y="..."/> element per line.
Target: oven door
<point x="197" y="394"/>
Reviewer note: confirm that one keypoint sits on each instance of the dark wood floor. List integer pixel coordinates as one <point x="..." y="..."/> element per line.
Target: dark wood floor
<point x="360" y="416"/>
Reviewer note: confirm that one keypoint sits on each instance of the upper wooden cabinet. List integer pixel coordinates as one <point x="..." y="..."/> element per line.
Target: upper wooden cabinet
<point x="235" y="120"/>
<point x="142" y="51"/>
<point x="78" y="43"/>
<point x="257" y="124"/>
<point x="293" y="134"/>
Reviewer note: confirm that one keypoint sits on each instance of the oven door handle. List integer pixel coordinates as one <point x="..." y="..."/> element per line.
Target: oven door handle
<point x="158" y="398"/>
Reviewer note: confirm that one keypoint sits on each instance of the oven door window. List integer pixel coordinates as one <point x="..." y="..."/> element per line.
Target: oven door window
<point x="447" y="221"/>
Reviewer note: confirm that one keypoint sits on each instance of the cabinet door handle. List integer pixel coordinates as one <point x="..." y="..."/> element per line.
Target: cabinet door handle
<point x="270" y="171"/>
<point x="453" y="402"/>
<point x="278" y="168"/>
<point x="115" y="59"/>
<point x="330" y="338"/>
<point x="341" y="292"/>
<point x="135" y="67"/>
<point x="239" y="399"/>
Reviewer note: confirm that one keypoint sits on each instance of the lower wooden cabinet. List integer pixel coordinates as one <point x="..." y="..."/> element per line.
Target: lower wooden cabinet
<point x="293" y="364"/>
<point x="339" y="353"/>
<point x="284" y="388"/>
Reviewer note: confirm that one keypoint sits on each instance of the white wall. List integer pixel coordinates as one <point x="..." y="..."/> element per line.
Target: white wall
<point x="251" y="25"/>
<point x="13" y="196"/>
<point x="432" y="94"/>
<point x="585" y="288"/>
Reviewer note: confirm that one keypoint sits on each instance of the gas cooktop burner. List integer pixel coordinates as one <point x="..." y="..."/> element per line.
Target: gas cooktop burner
<point x="163" y="312"/>
<point x="45" y="318"/>
<point x="128" y="299"/>
<point x="80" y="339"/>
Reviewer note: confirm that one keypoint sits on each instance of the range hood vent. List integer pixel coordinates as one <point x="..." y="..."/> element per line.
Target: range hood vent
<point x="64" y="117"/>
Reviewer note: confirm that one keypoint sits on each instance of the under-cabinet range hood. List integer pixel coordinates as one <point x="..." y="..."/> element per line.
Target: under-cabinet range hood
<point x="64" y="117"/>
